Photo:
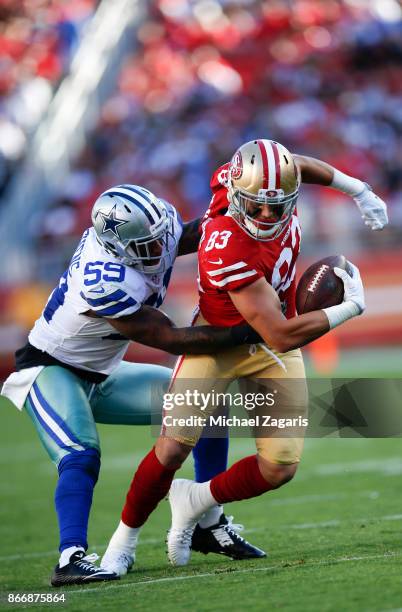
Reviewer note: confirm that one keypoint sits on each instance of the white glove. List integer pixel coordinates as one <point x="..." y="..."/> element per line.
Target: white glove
<point x="353" y="286"/>
<point x="372" y="208"/>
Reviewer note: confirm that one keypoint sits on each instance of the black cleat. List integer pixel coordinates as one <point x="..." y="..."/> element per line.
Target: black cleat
<point x="80" y="570"/>
<point x="223" y="539"/>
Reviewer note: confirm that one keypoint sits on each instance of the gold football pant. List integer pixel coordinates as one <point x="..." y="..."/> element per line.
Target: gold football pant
<point x="258" y="371"/>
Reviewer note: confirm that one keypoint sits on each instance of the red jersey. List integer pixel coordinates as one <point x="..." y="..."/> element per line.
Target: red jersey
<point x="229" y="258"/>
<point x="219" y="202"/>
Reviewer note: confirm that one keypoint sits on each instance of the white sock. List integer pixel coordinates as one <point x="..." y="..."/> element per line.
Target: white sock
<point x="124" y="538"/>
<point x="201" y="498"/>
<point x="66" y="554"/>
<point x="211" y="517"/>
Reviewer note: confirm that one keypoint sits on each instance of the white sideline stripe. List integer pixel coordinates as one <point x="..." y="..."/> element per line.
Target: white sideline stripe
<point x="330" y="523"/>
<point x="52" y="424"/>
<point x="318" y="525"/>
<point x="234" y="277"/>
<point x="251" y="570"/>
<point x="236" y="266"/>
<point x="389" y="466"/>
<point x="304" y="499"/>
<point x="334" y="523"/>
<point x="392" y="517"/>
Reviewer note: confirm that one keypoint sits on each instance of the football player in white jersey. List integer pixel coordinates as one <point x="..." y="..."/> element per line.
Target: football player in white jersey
<point x="70" y="374"/>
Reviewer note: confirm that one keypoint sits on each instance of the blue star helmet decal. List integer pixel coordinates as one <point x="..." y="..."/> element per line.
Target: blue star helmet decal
<point x="111" y="223"/>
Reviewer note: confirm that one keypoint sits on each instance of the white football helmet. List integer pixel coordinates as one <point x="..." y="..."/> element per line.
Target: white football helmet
<point x="262" y="173"/>
<point x="135" y="226"/>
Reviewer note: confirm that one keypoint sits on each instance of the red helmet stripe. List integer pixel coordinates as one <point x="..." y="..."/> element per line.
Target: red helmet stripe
<point x="277" y="165"/>
<point x="264" y="158"/>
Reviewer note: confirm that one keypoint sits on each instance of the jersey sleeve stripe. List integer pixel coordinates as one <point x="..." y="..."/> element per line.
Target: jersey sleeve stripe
<point x="117" y="308"/>
<point x="234" y="277"/>
<point x="236" y="266"/>
<point x="106" y="299"/>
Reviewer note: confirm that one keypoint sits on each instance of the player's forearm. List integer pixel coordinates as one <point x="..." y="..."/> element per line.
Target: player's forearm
<point x="372" y="208"/>
<point x="190" y="237"/>
<point x="314" y="170"/>
<point x="288" y="334"/>
<point x="201" y="340"/>
<point x="318" y="172"/>
<point x="153" y="328"/>
<point x="301" y="330"/>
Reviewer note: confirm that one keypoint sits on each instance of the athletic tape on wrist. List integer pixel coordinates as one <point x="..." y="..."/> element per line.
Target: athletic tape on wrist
<point x="347" y="184"/>
<point x="342" y="312"/>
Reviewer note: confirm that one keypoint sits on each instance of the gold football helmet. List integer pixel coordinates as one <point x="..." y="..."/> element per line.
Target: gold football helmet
<point x="263" y="185"/>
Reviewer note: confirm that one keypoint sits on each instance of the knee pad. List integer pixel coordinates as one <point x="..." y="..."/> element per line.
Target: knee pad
<point x="87" y="460"/>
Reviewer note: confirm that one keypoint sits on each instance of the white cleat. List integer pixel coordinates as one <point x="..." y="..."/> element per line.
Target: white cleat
<point x="184" y="520"/>
<point x="179" y="545"/>
<point x="120" y="561"/>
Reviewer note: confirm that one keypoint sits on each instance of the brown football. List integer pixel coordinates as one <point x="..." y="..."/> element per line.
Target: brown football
<point x="319" y="287"/>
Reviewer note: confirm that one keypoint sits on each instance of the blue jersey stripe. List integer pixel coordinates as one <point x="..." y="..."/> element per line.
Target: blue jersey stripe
<point x="141" y="193"/>
<point x="111" y="310"/>
<point x="51" y="412"/>
<point x="106" y="299"/>
<point x="134" y="201"/>
<point x="56" y="299"/>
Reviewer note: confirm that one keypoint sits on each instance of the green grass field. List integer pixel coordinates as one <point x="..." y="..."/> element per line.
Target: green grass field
<point x="334" y="534"/>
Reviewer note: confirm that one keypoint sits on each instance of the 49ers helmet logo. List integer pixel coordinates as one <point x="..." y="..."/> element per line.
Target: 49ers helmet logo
<point x="236" y="166"/>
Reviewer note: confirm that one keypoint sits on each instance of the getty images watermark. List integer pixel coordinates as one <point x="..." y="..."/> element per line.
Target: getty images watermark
<point x="261" y="407"/>
<point x="194" y="408"/>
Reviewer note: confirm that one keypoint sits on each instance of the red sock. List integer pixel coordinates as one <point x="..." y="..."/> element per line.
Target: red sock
<point x="150" y="484"/>
<point x="241" y="481"/>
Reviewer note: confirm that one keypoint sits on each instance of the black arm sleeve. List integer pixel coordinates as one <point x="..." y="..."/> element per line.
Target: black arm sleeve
<point x="153" y="328"/>
<point x="190" y="237"/>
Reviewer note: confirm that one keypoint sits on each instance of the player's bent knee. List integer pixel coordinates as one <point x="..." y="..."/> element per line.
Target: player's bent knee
<point x="87" y="461"/>
<point x="171" y="453"/>
<point x="285" y="474"/>
<point x="276" y="474"/>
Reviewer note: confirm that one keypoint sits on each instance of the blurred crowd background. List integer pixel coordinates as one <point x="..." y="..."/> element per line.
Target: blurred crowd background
<point x="324" y="77"/>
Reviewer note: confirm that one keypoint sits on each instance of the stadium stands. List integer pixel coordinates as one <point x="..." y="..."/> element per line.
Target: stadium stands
<point x="322" y="77"/>
<point x="37" y="41"/>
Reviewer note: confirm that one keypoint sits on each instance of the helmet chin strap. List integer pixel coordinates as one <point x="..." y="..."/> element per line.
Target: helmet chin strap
<point x="256" y="231"/>
<point x="250" y="228"/>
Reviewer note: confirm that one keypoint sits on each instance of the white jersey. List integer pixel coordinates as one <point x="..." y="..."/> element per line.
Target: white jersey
<point x="97" y="281"/>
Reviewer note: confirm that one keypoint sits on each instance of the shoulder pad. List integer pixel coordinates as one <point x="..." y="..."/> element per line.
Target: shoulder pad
<point x="219" y="202"/>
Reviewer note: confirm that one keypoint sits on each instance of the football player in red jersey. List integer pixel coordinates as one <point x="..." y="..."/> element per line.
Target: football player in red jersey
<point x="247" y="254"/>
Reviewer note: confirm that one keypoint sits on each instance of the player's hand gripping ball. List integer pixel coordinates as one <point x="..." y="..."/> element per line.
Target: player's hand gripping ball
<point x="319" y="287"/>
